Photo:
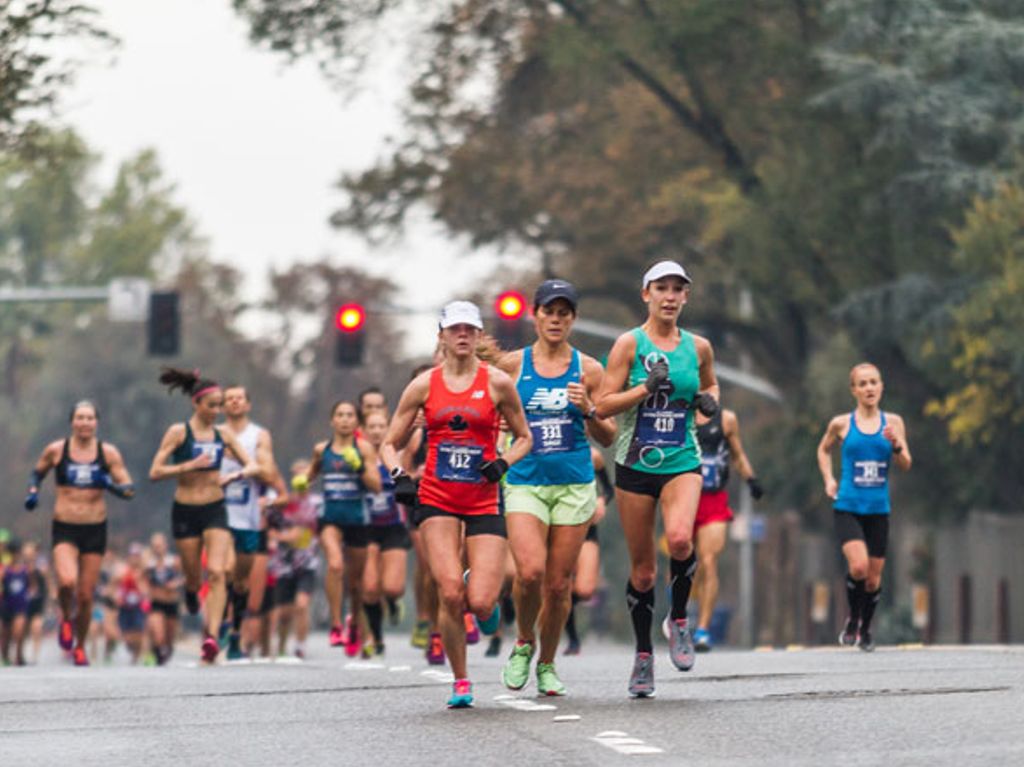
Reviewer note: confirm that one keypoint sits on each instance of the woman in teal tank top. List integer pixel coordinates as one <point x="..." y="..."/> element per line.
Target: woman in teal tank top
<point x="657" y="375"/>
<point x="870" y="440"/>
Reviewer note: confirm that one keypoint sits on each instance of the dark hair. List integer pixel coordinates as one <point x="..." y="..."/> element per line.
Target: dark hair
<point x="187" y="380"/>
<point x="363" y="394"/>
<point x="341" y="402"/>
<point x="83" y="403"/>
<point x="420" y="370"/>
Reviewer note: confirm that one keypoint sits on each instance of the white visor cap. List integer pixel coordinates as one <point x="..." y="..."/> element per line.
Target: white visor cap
<point x="461" y="313"/>
<point x="665" y="269"/>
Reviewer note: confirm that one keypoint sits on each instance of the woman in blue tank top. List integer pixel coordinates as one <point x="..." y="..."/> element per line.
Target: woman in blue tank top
<point x="871" y="440"/>
<point x="549" y="494"/>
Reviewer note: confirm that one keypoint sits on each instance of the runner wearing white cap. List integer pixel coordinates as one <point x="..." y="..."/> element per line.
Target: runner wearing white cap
<point x="657" y="375"/>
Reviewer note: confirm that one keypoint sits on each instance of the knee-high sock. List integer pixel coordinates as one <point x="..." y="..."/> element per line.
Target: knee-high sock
<point x="868" y="610"/>
<point x="855" y="598"/>
<point x="641" y="613"/>
<point x="682" y="571"/>
<point x="375" y="616"/>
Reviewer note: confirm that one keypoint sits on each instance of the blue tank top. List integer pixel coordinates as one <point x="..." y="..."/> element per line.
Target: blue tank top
<point x="560" y="453"/>
<point x="343" y="489"/>
<point x="864" y="482"/>
<point x="193" y="448"/>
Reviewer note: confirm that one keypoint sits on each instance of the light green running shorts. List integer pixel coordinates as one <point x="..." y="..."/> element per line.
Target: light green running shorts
<point x="553" y="504"/>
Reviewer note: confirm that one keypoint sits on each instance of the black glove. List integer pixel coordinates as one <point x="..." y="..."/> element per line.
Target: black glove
<point x="756" y="491"/>
<point x="31" y="500"/>
<point x="494" y="470"/>
<point x="405" y="490"/>
<point x="656" y="376"/>
<point x="125" y="491"/>
<point x="706" y="404"/>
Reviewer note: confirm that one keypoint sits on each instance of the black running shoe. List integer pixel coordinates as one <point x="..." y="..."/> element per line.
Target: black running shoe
<point x="865" y="642"/>
<point x="493" y="647"/>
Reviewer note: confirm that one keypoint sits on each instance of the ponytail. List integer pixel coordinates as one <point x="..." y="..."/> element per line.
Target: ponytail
<point x="188" y="381"/>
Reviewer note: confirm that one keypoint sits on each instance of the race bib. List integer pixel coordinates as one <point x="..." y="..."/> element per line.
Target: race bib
<point x="81" y="474"/>
<point x="341" y="488"/>
<point x="709" y="471"/>
<point x="214" y="450"/>
<point x="661" y="427"/>
<point x="238" y="493"/>
<point x="870" y="473"/>
<point x="553" y="434"/>
<point x="459" y="463"/>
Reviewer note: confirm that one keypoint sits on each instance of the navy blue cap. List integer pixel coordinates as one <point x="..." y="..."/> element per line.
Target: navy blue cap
<point x="551" y="290"/>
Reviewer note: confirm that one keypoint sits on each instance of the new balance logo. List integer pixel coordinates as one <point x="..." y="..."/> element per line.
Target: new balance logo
<point x="548" y="399"/>
<point x="478" y="394"/>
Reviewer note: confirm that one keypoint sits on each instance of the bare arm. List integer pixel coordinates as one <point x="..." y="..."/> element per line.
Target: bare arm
<point x="250" y="469"/>
<point x="611" y="399"/>
<point x="507" y="401"/>
<point x="402" y="422"/>
<point x="412" y="447"/>
<point x="316" y="461"/>
<point x="161" y="469"/>
<point x="583" y="396"/>
<point x="371" y="474"/>
<point x="896" y="432"/>
<point x="47" y="460"/>
<point x="265" y="459"/>
<point x="706" y="359"/>
<point x="731" y="428"/>
<point x="828" y="441"/>
<point x="123" y="486"/>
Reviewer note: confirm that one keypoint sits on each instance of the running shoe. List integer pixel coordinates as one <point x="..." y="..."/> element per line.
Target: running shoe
<point x="192" y="602"/>
<point x="462" y="694"/>
<point x="371" y="648"/>
<point x="66" y="635"/>
<point x="235" y="647"/>
<point x="865" y="642"/>
<point x="848" y="636"/>
<point x="337" y="637"/>
<point x="472" y="630"/>
<point x="516" y="672"/>
<point x="210" y="650"/>
<point x="680" y="645"/>
<point x="702" y="640"/>
<point x="78" y="655"/>
<point x="346" y="631"/>
<point x="641" y="681"/>
<point x="666" y="628"/>
<point x="493" y="647"/>
<point x="493" y="622"/>
<point x="396" y="611"/>
<point x="223" y="635"/>
<point x="355" y="639"/>
<point x="572" y="648"/>
<point x="435" y="651"/>
<point x="548" y="682"/>
<point x="421" y="634"/>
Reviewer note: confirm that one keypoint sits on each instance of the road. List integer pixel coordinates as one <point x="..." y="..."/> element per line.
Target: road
<point x="934" y="706"/>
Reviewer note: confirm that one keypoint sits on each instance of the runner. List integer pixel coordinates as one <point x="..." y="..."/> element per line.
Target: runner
<point x="388" y="552"/>
<point x="588" y="565"/>
<point x="192" y="453"/>
<point x="719" y="438"/>
<point x="296" y="560"/>
<point x="657" y="374"/>
<point x="14" y="596"/>
<point x="458" y="494"/>
<point x="38" y="591"/>
<point x="549" y="495"/>
<point x="371" y="400"/>
<point x="245" y="514"/>
<point x="349" y="467"/>
<point x="871" y="440"/>
<point x="131" y="608"/>
<point x="163" y="584"/>
<point x="84" y="467"/>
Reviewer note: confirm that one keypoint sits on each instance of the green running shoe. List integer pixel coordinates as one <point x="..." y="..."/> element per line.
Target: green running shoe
<point x="548" y="682"/>
<point x="516" y="672"/>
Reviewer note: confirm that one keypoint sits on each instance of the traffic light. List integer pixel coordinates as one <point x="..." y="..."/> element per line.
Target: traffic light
<point x="164" y="325"/>
<point x="348" y="350"/>
<point x="510" y="307"/>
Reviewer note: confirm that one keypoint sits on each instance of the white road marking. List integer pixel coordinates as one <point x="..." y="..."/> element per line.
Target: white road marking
<point x="567" y="718"/>
<point x="364" y="666"/>
<point x="400" y="668"/>
<point x="444" y="677"/>
<point x="622" y="743"/>
<point x="288" y="660"/>
<point x="525" y="704"/>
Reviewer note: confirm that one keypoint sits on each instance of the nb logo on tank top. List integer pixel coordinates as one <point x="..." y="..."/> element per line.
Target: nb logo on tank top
<point x="549" y="399"/>
<point x="478" y="394"/>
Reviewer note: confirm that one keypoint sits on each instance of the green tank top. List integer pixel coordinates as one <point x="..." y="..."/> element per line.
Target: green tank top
<point x="659" y="436"/>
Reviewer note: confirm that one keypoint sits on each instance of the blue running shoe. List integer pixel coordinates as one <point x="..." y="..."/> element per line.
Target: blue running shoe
<point x="462" y="694"/>
<point x="702" y="640"/>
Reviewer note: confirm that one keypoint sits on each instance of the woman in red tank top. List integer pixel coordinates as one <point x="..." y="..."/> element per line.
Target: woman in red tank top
<point x="462" y="400"/>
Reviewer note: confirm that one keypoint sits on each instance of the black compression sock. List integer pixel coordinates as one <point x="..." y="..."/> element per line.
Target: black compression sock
<point x="682" y="571"/>
<point x="238" y="603"/>
<point x="641" y="613"/>
<point x="868" y="610"/>
<point x="392" y="604"/>
<point x="855" y="598"/>
<point x="508" y="609"/>
<point x="570" y="622"/>
<point x="374" y="616"/>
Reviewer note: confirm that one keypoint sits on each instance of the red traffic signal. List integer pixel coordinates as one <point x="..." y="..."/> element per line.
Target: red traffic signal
<point x="510" y="305"/>
<point x="350" y="318"/>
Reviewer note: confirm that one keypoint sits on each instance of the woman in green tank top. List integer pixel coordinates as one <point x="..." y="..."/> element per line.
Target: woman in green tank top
<point x="657" y="375"/>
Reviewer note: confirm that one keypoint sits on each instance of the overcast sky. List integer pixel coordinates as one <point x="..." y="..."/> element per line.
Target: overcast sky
<point x="253" y="145"/>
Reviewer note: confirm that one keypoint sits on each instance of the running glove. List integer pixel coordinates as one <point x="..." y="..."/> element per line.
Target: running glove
<point x="706" y="404"/>
<point x="125" y="491"/>
<point x="31" y="500"/>
<point x="494" y="470"/>
<point x="405" y="490"/>
<point x="351" y="456"/>
<point x="656" y="376"/>
<point x="756" y="491"/>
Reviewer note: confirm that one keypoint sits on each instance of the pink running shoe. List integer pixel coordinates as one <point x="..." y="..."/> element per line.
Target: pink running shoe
<point x="337" y="637"/>
<point x="472" y="629"/>
<point x="210" y="650"/>
<point x="66" y="635"/>
<point x="435" y="651"/>
<point x="355" y="639"/>
<point x="79" y="657"/>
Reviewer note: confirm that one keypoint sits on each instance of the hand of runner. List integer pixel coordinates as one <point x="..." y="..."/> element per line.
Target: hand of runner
<point x="831" y="488"/>
<point x="32" y="498"/>
<point x="405" y="490"/>
<point x="578" y="395"/>
<point x="200" y="462"/>
<point x="656" y="376"/>
<point x="351" y="456"/>
<point x="227" y="479"/>
<point x="706" y="404"/>
<point x="494" y="470"/>
<point x="889" y="432"/>
<point x="756" y="490"/>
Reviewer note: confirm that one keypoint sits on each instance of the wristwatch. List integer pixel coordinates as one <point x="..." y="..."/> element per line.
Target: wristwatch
<point x="590" y="413"/>
<point x="397" y="472"/>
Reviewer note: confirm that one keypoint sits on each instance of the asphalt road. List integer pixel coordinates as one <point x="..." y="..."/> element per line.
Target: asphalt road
<point x="934" y="706"/>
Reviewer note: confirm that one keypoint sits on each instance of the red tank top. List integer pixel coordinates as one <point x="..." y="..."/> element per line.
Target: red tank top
<point x="462" y="431"/>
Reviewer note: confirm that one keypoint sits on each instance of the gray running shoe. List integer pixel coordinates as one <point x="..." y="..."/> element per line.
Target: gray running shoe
<point x="848" y="637"/>
<point x="680" y="645"/>
<point x="641" y="681"/>
<point x="865" y="642"/>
